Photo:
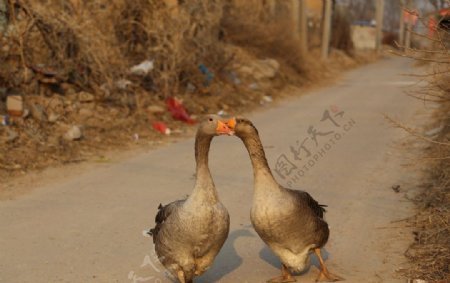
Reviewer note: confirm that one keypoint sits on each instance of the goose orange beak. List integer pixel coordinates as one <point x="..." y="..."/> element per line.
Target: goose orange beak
<point x="223" y="129"/>
<point x="231" y="123"/>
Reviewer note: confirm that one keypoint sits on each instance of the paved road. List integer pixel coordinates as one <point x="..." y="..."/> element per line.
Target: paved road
<point x="89" y="228"/>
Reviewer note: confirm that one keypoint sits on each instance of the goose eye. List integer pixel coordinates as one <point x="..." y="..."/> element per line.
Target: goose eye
<point x="210" y="119"/>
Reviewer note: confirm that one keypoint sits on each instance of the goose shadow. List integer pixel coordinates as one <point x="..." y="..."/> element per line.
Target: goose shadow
<point x="268" y="256"/>
<point x="227" y="260"/>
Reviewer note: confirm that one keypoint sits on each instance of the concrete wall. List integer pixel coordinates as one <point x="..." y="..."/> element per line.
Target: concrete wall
<point x="363" y="37"/>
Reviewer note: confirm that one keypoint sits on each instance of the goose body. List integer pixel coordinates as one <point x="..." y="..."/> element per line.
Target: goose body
<point x="189" y="233"/>
<point x="289" y="221"/>
<point x="189" y="237"/>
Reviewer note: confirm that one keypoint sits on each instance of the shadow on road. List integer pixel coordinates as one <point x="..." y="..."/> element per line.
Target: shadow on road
<point x="227" y="260"/>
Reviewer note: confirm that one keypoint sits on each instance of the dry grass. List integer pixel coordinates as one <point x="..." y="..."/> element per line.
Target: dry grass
<point x="275" y="38"/>
<point x="53" y="50"/>
<point x="264" y="37"/>
<point x="93" y="43"/>
<point x="429" y="255"/>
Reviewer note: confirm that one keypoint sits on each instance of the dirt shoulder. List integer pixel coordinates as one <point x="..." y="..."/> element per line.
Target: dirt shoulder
<point x="35" y="142"/>
<point x="429" y="253"/>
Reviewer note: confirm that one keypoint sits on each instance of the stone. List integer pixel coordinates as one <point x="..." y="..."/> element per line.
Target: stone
<point x="12" y="135"/>
<point x="53" y="140"/>
<point x="74" y="133"/>
<point x="267" y="68"/>
<point x="26" y="113"/>
<point x="85" y="97"/>
<point x="123" y="84"/>
<point x="5" y="48"/>
<point x="190" y="87"/>
<point x="85" y="113"/>
<point x="267" y="98"/>
<point x="67" y="102"/>
<point x="246" y="70"/>
<point x="272" y="63"/>
<point x="52" y="117"/>
<point x="261" y="69"/>
<point x="253" y="86"/>
<point x="14" y="105"/>
<point x="70" y="92"/>
<point x="37" y="111"/>
<point x="156" y="109"/>
<point x="114" y="112"/>
<point x="56" y="103"/>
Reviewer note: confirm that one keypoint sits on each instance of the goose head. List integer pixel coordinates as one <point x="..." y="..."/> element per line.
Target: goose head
<point x="242" y="127"/>
<point x="212" y="125"/>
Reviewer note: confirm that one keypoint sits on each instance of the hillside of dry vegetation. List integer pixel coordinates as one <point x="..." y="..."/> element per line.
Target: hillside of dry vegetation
<point x="429" y="254"/>
<point x="96" y="75"/>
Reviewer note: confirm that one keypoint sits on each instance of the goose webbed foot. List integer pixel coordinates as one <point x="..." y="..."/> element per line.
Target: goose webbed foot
<point x="328" y="277"/>
<point x="325" y="275"/>
<point x="284" y="278"/>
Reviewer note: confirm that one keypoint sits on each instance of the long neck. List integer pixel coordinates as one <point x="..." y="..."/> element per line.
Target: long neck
<point x="204" y="185"/>
<point x="261" y="169"/>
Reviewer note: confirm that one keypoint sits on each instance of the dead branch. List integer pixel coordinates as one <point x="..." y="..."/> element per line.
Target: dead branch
<point x="413" y="132"/>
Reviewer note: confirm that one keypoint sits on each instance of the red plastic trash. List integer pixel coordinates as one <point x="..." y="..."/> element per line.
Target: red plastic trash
<point x="178" y="111"/>
<point x="161" y="127"/>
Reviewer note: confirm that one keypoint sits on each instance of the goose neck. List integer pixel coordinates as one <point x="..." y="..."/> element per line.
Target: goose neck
<point x="204" y="185"/>
<point x="261" y="169"/>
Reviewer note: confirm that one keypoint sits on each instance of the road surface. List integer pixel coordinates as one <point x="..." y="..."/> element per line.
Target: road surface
<point x="332" y="142"/>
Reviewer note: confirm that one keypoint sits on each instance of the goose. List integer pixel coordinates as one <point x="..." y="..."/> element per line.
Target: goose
<point x="289" y="221"/>
<point x="189" y="233"/>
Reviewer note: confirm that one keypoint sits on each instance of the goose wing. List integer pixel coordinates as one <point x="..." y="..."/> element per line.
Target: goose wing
<point x="305" y="200"/>
<point x="310" y="217"/>
<point x="164" y="211"/>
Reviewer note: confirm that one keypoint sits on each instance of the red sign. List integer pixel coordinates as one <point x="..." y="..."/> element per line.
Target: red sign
<point x="410" y="16"/>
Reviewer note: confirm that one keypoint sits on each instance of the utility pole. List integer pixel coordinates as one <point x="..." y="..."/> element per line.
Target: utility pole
<point x="303" y="29"/>
<point x="408" y="27"/>
<point x="295" y="9"/>
<point x="408" y="35"/>
<point x="326" y="29"/>
<point x="379" y="26"/>
<point x="272" y="7"/>
<point x="401" y="30"/>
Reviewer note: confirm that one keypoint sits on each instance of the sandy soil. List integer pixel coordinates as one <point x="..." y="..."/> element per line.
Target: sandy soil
<point x="87" y="227"/>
